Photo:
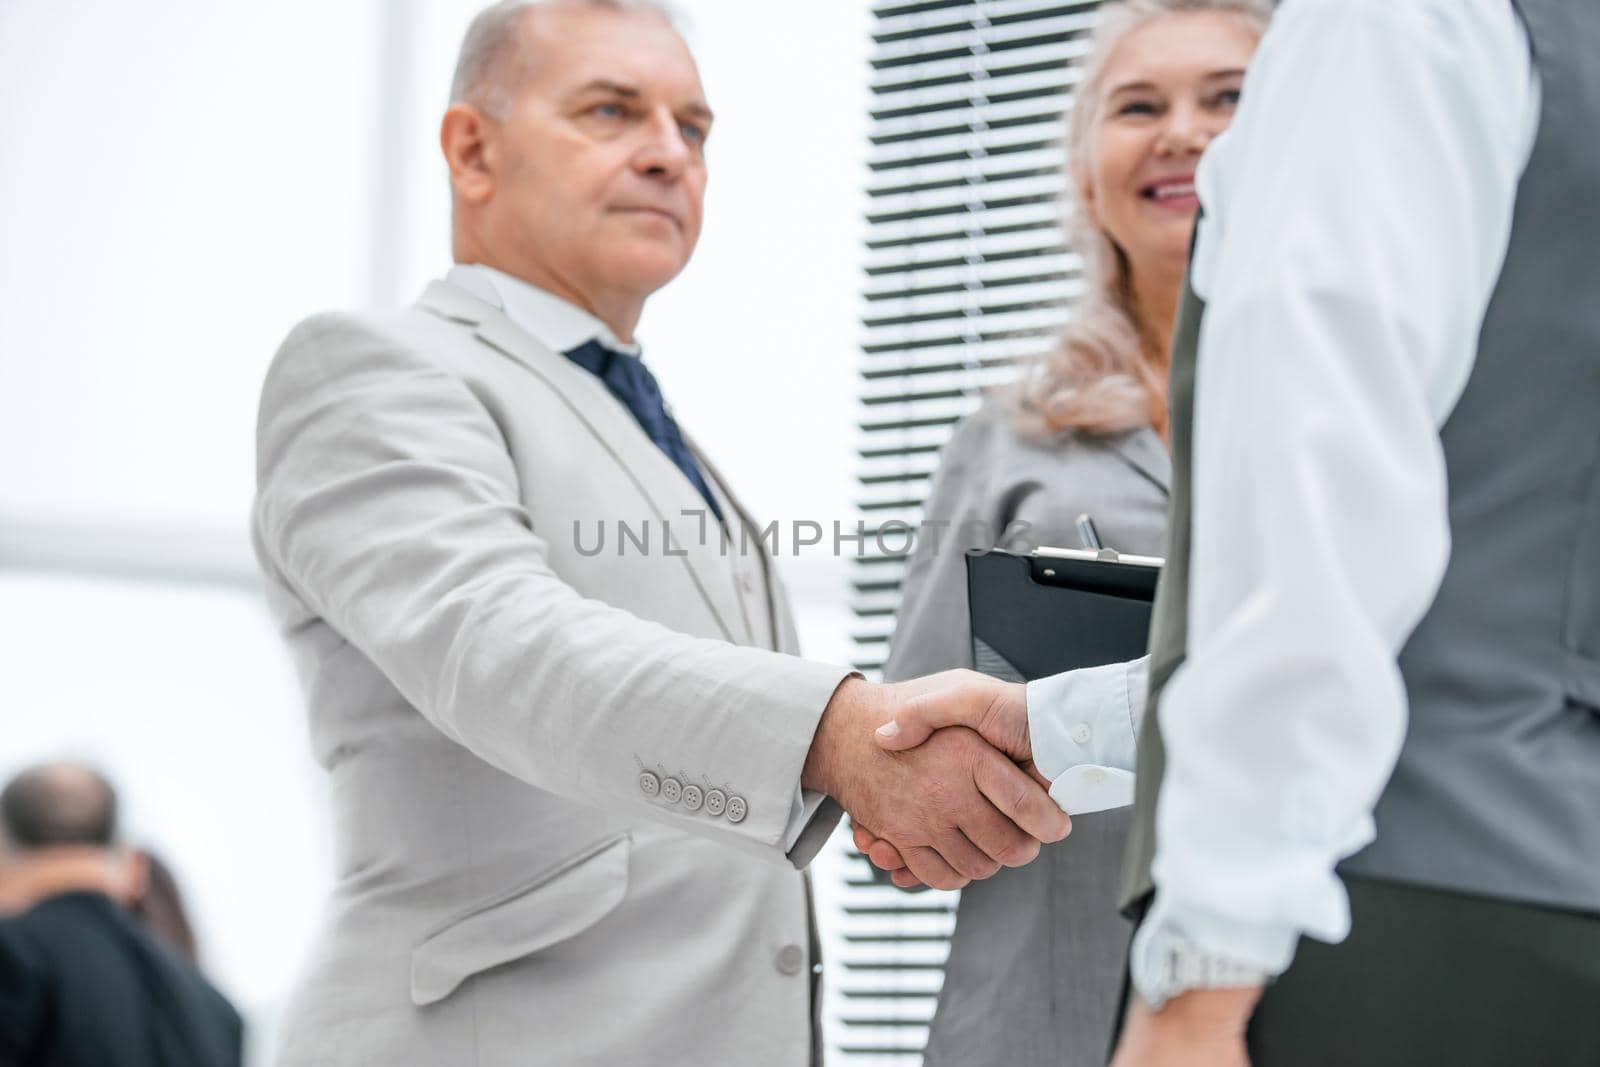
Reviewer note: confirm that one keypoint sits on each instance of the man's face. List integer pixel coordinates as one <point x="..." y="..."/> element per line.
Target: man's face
<point x="600" y="174"/>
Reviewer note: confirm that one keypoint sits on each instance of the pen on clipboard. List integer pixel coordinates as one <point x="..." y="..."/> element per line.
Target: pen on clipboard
<point x="1088" y="534"/>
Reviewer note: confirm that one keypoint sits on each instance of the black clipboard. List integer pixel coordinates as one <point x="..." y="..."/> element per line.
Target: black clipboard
<point x="1058" y="609"/>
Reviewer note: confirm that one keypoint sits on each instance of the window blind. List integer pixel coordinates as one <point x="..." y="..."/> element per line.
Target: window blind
<point x="966" y="273"/>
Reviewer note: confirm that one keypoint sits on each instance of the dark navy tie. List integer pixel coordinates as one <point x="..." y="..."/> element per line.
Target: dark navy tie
<point x="631" y="382"/>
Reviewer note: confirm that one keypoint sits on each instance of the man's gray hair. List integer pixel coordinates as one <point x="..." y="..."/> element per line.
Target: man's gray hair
<point x="493" y="59"/>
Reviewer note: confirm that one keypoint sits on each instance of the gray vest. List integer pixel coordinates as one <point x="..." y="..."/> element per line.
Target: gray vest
<point x="1497" y="790"/>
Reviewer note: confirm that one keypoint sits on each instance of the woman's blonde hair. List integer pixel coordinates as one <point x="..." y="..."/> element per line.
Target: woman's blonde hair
<point x="1096" y="380"/>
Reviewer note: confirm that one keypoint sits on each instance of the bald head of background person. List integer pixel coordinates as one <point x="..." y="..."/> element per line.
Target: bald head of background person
<point x="58" y="834"/>
<point x="576" y="144"/>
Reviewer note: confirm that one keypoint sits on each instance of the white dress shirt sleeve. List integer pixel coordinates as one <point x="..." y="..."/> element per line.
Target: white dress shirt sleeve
<point x="1357" y="217"/>
<point x="1083" y="727"/>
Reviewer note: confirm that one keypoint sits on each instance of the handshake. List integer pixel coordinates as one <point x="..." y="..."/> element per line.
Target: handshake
<point x="937" y="776"/>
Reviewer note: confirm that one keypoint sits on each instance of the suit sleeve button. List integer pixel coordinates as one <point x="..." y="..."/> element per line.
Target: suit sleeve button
<point x="671" y="790"/>
<point x="649" y="784"/>
<point x="693" y="797"/>
<point x="736" y="809"/>
<point x="716" y="802"/>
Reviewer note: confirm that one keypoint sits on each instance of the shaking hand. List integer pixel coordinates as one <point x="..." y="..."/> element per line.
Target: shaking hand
<point x="950" y="806"/>
<point x="996" y="711"/>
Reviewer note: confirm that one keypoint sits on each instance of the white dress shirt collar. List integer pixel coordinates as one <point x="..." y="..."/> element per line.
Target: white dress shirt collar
<point x="555" y="323"/>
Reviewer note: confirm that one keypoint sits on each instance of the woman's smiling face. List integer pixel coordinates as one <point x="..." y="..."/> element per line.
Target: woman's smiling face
<point x="1169" y="87"/>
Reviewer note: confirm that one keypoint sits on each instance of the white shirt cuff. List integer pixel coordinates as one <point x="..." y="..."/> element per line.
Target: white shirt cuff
<point x="801" y="812"/>
<point x="1083" y="727"/>
<point x="1089" y="788"/>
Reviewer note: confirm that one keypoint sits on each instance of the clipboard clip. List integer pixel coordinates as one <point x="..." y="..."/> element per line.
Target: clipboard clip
<point x="1101" y="555"/>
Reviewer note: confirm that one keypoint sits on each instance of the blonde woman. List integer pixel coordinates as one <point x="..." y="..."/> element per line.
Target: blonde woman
<point x="1037" y="959"/>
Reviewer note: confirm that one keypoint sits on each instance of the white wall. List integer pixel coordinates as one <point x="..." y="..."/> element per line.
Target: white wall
<point x="180" y="183"/>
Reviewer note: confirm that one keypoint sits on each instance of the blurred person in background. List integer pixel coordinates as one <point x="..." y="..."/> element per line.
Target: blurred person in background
<point x="572" y="780"/>
<point x="82" y="983"/>
<point x="1037" y="957"/>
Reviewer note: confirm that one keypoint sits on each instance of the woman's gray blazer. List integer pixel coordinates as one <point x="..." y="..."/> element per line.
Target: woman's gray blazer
<point x="1036" y="963"/>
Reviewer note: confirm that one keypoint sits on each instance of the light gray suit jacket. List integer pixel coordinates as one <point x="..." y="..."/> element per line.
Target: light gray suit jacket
<point x="560" y="778"/>
<point x="1036" y="963"/>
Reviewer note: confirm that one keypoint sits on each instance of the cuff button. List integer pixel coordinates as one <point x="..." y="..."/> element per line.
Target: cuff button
<point x="736" y="809"/>
<point x="693" y="797"/>
<point x="649" y="784"/>
<point x="671" y="790"/>
<point x="716" y="802"/>
<point x="1081" y="733"/>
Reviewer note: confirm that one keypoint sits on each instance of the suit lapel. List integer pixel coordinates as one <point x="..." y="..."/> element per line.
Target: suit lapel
<point x="740" y="519"/>
<point x="1143" y="451"/>
<point x="657" y="478"/>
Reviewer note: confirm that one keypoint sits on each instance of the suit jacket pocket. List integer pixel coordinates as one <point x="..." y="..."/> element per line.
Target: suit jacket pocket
<point x="557" y="906"/>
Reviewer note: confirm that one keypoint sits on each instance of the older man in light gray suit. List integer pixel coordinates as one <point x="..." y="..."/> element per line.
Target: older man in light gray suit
<point x="572" y="788"/>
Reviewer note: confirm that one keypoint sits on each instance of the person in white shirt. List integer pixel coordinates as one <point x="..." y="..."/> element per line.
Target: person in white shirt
<point x="1373" y="743"/>
<point x="1084" y="433"/>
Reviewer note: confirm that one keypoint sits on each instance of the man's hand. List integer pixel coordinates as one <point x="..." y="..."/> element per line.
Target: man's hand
<point x="997" y="710"/>
<point x="884" y="856"/>
<point x="953" y="809"/>
<point x="1200" y="1028"/>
